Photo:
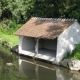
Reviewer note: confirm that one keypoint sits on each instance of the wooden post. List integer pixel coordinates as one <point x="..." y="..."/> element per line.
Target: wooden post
<point x="36" y="46"/>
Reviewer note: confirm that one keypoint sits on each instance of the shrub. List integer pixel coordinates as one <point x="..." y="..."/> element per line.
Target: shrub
<point x="1" y="29"/>
<point x="75" y="53"/>
<point x="10" y="26"/>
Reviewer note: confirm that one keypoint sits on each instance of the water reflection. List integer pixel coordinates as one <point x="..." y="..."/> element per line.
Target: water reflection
<point x="8" y="67"/>
<point x="35" y="70"/>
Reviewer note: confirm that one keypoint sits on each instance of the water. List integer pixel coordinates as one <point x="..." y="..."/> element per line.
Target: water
<point x="14" y="67"/>
<point x="36" y="70"/>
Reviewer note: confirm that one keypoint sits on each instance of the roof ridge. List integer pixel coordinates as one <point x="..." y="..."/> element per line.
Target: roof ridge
<point x="55" y="19"/>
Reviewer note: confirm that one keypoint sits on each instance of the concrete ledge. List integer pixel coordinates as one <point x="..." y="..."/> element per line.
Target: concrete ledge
<point x="15" y="49"/>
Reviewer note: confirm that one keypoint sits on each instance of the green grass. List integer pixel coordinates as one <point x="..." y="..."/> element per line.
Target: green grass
<point x="12" y="39"/>
<point x="7" y="29"/>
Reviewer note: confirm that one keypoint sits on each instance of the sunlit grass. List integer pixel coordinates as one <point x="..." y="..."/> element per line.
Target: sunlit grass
<point x="9" y="38"/>
<point x="7" y="32"/>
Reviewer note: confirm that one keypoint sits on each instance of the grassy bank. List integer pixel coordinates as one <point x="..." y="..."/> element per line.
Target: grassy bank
<point x="7" y="29"/>
<point x="11" y="40"/>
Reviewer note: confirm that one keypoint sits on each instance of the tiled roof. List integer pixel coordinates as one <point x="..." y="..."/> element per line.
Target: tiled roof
<point x="48" y="28"/>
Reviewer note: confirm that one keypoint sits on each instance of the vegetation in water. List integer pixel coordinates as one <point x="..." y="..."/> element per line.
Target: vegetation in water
<point x="8" y="72"/>
<point x="75" y="54"/>
<point x="9" y="65"/>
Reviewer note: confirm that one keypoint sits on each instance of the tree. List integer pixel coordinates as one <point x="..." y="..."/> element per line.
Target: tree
<point x="22" y="10"/>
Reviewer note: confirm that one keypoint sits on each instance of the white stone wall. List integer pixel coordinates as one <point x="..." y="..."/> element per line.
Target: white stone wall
<point x="20" y="43"/>
<point x="67" y="40"/>
<point x="28" y="43"/>
<point x="26" y="46"/>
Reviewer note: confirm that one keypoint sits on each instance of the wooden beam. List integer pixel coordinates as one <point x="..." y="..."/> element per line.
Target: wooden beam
<point x="36" y="46"/>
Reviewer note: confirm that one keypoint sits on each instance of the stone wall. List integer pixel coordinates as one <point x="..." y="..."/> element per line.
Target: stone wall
<point x="71" y="64"/>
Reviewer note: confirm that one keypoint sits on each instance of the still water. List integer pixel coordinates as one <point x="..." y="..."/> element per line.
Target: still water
<point x="14" y="67"/>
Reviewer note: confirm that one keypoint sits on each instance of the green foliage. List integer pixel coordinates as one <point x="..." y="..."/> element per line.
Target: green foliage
<point x="67" y="55"/>
<point x="12" y="26"/>
<point x="22" y="10"/>
<point x="19" y="9"/>
<point x="1" y="29"/>
<point x="9" y="26"/>
<point x="75" y="53"/>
